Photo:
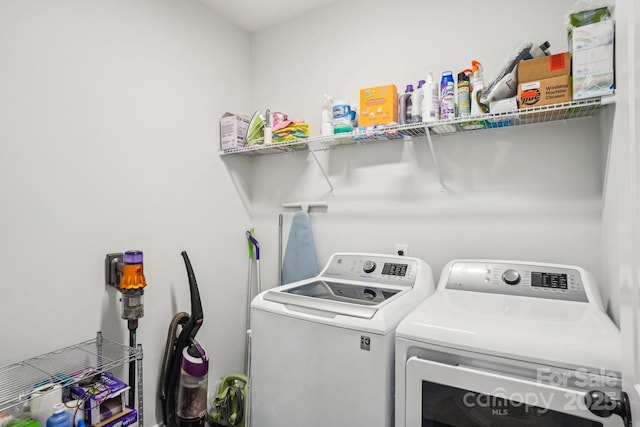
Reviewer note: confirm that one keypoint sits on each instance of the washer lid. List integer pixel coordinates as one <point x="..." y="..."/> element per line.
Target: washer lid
<point x="336" y="297"/>
<point x="550" y="332"/>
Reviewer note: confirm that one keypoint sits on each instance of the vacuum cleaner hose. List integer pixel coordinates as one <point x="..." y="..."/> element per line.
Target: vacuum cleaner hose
<point x="167" y="361"/>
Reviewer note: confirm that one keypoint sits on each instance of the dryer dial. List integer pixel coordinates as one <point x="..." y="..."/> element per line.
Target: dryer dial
<point x="368" y="266"/>
<point x="511" y="277"/>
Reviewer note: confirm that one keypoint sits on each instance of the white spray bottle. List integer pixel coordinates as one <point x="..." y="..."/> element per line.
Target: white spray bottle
<point x="327" y="116"/>
<point x="477" y="86"/>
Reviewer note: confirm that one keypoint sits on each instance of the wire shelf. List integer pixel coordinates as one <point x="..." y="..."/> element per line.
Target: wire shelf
<point x="65" y="366"/>
<point x="543" y="114"/>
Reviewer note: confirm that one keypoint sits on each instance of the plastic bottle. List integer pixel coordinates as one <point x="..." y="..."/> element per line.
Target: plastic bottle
<point x="477" y="85"/>
<point x="327" y="116"/>
<point x="416" y="101"/>
<point x="539" y="51"/>
<point x="342" y="117"/>
<point x="431" y="100"/>
<point x="464" y="93"/>
<point x="268" y="130"/>
<point x="447" y="93"/>
<point x="405" y="106"/>
<point x="59" y="418"/>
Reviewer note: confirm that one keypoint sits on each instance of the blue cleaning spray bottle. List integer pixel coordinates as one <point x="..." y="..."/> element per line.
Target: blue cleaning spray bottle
<point x="447" y="93"/>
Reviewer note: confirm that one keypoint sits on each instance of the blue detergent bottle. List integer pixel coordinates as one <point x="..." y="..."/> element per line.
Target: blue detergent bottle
<point x="447" y="100"/>
<point x="59" y="418"/>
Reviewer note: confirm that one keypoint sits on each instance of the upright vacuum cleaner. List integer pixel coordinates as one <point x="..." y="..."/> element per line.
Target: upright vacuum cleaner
<point x="183" y="386"/>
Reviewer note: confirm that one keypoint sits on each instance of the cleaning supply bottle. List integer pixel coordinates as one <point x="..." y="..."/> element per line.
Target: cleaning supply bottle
<point x="416" y="101"/>
<point x="431" y="100"/>
<point x="464" y="93"/>
<point x="477" y="86"/>
<point x="539" y="51"/>
<point x="342" y="117"/>
<point x="405" y="106"/>
<point x="327" y="116"/>
<point x="447" y="100"/>
<point x="59" y="418"/>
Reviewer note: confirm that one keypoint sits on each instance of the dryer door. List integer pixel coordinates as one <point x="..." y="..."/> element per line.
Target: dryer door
<point x="439" y="394"/>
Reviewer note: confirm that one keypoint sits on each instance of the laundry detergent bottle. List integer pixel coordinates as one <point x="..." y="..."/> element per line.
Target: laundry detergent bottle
<point x="405" y="106"/>
<point x="431" y="100"/>
<point x="60" y="418"/>
<point x="416" y="103"/>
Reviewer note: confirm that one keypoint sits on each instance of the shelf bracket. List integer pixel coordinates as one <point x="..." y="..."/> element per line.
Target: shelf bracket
<point x="427" y="131"/>
<point x="323" y="172"/>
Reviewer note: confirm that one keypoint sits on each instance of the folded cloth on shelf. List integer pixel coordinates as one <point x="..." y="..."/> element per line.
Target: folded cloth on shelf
<point x="300" y="261"/>
<point x="291" y="130"/>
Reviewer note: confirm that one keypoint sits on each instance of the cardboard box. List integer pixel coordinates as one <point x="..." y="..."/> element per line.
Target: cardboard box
<point x="378" y="106"/>
<point x="128" y="417"/>
<point x="544" y="92"/>
<point x="102" y="399"/>
<point x="233" y="130"/>
<point x="593" y="60"/>
<point x="544" y="81"/>
<point x="545" y="67"/>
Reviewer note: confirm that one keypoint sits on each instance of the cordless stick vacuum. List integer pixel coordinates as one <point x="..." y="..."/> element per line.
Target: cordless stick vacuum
<point x="183" y="386"/>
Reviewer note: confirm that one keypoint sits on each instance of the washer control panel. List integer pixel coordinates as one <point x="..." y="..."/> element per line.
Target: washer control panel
<point x="391" y="270"/>
<point x="530" y="280"/>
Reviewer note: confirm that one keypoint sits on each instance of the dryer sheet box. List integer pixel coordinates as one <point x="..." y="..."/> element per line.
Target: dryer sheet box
<point x="102" y="399"/>
<point x="233" y="130"/>
<point x="378" y="106"/>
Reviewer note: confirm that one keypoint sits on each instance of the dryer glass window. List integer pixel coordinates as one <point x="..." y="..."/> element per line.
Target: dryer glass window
<point x="445" y="406"/>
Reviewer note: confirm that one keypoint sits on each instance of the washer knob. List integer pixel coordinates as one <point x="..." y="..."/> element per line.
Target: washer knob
<point x="511" y="277"/>
<point x="369" y="266"/>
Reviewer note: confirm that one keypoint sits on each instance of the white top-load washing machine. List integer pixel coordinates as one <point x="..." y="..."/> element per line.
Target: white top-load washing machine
<point x="509" y="343"/>
<point x="322" y="349"/>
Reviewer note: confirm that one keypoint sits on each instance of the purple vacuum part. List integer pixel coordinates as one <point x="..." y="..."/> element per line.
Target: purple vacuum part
<point x="195" y="361"/>
<point x="133" y="257"/>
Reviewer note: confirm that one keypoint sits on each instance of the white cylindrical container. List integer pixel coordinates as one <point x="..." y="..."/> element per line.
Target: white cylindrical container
<point x="342" y="117"/>
<point x="417" y="99"/>
<point x="43" y="399"/>
<point x="431" y="100"/>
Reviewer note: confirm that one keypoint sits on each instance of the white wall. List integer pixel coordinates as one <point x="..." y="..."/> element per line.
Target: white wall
<point x="531" y="193"/>
<point x="109" y="135"/>
<point x="621" y="237"/>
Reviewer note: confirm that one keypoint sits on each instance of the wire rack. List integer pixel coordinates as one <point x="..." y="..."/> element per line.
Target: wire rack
<point x="547" y="113"/>
<point x="64" y="367"/>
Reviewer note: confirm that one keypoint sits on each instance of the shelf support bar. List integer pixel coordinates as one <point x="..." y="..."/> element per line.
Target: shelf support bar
<point x="323" y="172"/>
<point x="427" y="131"/>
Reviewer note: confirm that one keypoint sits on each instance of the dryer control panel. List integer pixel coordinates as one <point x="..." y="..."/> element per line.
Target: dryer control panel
<point x="530" y="280"/>
<point x="390" y="270"/>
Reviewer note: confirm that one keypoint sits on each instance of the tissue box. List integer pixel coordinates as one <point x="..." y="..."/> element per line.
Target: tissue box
<point x="233" y="130"/>
<point x="593" y="65"/>
<point x="102" y="399"/>
<point x="378" y="106"/>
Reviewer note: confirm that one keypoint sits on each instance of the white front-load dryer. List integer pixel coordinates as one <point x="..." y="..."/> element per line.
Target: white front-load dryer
<point x="323" y="348"/>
